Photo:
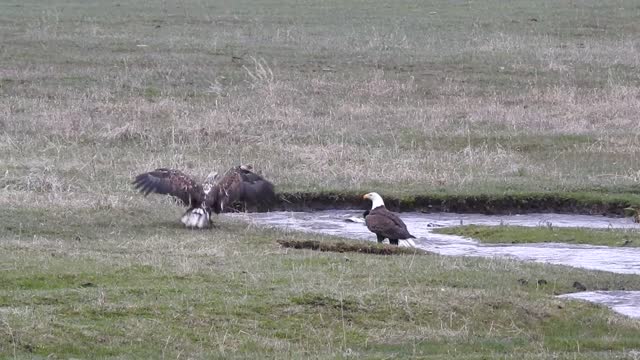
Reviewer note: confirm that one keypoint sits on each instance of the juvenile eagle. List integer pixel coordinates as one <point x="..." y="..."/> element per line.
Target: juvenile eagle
<point x="216" y="194"/>
<point x="384" y="223"/>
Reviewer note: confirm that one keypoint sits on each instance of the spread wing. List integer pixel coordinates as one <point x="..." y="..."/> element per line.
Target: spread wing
<point x="171" y="182"/>
<point x="255" y="189"/>
<point x="387" y="224"/>
<point x="242" y="184"/>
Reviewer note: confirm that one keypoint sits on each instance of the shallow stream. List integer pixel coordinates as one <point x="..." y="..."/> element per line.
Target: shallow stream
<point x="348" y="223"/>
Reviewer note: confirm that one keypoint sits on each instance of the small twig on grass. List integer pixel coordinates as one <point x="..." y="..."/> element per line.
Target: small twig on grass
<point x="261" y="73"/>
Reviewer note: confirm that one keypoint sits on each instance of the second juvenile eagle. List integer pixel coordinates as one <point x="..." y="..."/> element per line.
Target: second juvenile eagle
<point x="216" y="194"/>
<point x="384" y="223"/>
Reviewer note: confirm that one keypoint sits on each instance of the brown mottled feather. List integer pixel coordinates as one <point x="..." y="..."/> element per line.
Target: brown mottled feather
<point x="238" y="184"/>
<point x="171" y="182"/>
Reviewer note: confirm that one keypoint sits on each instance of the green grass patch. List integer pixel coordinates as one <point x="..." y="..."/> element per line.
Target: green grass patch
<point x="131" y="288"/>
<point x="541" y="234"/>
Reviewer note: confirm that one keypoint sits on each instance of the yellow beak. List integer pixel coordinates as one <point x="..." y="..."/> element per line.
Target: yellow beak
<point x="365" y="196"/>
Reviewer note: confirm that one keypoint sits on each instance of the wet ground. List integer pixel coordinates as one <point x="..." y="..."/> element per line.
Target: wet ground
<point x="348" y="223"/>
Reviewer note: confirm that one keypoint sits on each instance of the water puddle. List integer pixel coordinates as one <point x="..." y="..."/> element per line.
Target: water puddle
<point x="347" y="223"/>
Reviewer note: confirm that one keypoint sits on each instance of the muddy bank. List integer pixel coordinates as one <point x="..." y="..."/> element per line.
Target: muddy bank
<point x="521" y="203"/>
<point x="363" y="247"/>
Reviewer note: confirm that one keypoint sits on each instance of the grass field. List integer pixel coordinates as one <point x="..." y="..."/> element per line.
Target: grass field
<point x="540" y="234"/>
<point x="404" y="97"/>
<point x="454" y="97"/>
<point x="132" y="283"/>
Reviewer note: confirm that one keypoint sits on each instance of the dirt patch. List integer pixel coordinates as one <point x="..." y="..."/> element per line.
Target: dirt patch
<point x="352" y="246"/>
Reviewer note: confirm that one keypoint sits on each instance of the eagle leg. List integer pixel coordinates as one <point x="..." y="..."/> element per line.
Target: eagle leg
<point x="380" y="238"/>
<point x="393" y="242"/>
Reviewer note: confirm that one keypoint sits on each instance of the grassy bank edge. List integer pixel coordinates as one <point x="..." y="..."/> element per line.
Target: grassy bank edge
<point x="506" y="234"/>
<point x="610" y="204"/>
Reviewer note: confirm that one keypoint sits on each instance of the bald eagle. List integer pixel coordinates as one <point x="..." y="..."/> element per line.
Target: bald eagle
<point x="384" y="223"/>
<point x="216" y="194"/>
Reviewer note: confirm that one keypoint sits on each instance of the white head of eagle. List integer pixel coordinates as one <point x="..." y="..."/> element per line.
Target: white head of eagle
<point x="376" y="199"/>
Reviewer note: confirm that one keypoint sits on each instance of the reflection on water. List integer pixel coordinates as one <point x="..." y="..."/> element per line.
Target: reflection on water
<point x="618" y="260"/>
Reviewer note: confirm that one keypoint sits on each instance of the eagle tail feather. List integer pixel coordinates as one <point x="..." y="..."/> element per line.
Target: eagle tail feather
<point x="410" y="243"/>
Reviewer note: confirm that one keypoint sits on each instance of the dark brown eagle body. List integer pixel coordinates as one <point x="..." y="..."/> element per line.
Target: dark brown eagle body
<point x="384" y="223"/>
<point x="241" y="184"/>
<point x="216" y="194"/>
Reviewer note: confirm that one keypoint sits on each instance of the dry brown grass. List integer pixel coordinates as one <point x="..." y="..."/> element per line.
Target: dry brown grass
<point x="495" y="104"/>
